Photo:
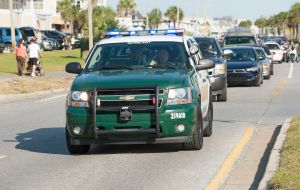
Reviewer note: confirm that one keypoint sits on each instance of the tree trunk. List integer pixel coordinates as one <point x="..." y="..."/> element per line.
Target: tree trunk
<point x="298" y="32"/>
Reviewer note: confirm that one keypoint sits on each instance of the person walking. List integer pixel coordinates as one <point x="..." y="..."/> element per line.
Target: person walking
<point x="34" y="52"/>
<point x="21" y="56"/>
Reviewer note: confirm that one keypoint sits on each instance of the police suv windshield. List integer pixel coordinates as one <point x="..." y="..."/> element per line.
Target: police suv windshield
<point x="144" y="55"/>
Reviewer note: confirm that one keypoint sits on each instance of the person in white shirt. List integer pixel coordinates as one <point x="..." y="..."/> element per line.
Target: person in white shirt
<point x="34" y="52"/>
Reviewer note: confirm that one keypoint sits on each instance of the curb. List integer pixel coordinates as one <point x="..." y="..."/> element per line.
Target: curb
<point x="274" y="159"/>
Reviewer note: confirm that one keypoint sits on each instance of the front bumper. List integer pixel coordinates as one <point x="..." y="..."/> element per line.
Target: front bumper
<point x="242" y="78"/>
<point x="139" y="130"/>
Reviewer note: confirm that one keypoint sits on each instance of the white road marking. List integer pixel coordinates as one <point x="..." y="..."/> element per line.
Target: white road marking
<point x="55" y="97"/>
<point x="291" y="70"/>
<point x="2" y="156"/>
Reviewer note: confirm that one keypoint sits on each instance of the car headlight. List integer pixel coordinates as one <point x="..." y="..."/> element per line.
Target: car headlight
<point x="78" y="99"/>
<point x="179" y="96"/>
<point x="252" y="69"/>
<point x="220" y="69"/>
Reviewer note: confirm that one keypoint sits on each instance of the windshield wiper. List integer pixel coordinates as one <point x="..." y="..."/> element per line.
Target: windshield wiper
<point x="114" y="67"/>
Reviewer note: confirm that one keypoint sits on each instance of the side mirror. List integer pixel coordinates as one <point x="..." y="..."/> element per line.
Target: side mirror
<point x="194" y="49"/>
<point x="205" y="64"/>
<point x="73" y="67"/>
<point x="227" y="52"/>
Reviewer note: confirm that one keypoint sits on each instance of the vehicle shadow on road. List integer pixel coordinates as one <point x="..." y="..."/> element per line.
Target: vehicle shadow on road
<point x="44" y="140"/>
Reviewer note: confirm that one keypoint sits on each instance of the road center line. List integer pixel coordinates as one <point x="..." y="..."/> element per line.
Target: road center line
<point x="1" y="156"/>
<point x="228" y="164"/>
<point x="291" y="70"/>
<point x="55" y="97"/>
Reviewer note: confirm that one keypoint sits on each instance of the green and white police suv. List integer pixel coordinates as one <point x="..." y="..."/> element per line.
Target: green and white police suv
<point x="144" y="87"/>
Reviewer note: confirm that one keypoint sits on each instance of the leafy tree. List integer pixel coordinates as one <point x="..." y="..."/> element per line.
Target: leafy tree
<point x="154" y="17"/>
<point x="294" y="19"/>
<point x="126" y="8"/>
<point x="246" y="23"/>
<point x="171" y="13"/>
<point x="261" y="23"/>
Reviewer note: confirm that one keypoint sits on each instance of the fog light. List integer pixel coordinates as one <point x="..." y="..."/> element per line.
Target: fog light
<point x="76" y="130"/>
<point x="180" y="127"/>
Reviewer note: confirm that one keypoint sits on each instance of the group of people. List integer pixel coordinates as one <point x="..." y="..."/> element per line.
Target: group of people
<point x="68" y="42"/>
<point x="290" y="52"/>
<point x="32" y="53"/>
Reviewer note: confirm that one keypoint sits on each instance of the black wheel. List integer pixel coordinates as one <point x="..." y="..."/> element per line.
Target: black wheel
<point x="197" y="141"/>
<point x="257" y="82"/>
<point x="75" y="149"/>
<point x="207" y="132"/>
<point x="272" y="70"/>
<point x="223" y="97"/>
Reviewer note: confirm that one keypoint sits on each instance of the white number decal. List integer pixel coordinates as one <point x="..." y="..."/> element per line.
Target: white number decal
<point x="177" y="115"/>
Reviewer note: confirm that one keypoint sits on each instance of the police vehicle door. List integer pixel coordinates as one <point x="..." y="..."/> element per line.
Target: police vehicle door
<point x="204" y="84"/>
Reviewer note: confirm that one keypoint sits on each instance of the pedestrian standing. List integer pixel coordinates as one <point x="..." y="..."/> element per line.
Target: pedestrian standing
<point x="21" y="56"/>
<point x="34" y="52"/>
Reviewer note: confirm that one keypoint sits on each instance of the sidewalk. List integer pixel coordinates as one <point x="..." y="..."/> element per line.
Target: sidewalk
<point x="257" y="164"/>
<point x="62" y="74"/>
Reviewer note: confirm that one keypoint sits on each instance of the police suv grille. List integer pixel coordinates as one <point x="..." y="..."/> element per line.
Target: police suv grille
<point x="105" y="104"/>
<point x="128" y="92"/>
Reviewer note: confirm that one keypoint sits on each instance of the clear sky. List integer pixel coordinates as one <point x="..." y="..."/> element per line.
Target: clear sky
<point x="244" y="9"/>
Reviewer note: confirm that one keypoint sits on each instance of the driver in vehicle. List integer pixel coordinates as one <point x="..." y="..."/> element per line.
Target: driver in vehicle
<point x="162" y="58"/>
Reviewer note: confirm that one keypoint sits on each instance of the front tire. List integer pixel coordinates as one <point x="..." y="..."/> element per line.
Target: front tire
<point x="197" y="142"/>
<point x="75" y="149"/>
<point x="207" y="132"/>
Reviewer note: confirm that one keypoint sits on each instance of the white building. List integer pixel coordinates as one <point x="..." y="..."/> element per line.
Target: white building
<point x="84" y="3"/>
<point x="36" y="13"/>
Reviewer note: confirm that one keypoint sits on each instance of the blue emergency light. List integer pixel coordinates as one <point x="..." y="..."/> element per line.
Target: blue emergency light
<point x="115" y="33"/>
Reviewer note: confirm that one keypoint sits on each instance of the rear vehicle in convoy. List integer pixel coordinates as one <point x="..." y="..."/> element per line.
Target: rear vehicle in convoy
<point x="218" y="76"/>
<point x="262" y="56"/>
<point x="140" y="89"/>
<point x="276" y="51"/>
<point x="243" y="66"/>
<point x="239" y="36"/>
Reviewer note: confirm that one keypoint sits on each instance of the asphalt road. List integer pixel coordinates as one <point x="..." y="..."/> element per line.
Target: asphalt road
<point x="33" y="154"/>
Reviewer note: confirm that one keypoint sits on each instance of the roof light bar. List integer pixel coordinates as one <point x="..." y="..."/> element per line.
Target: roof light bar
<point x="114" y="33"/>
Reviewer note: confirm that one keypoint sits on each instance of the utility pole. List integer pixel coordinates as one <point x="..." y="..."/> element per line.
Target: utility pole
<point x="90" y="18"/>
<point x="12" y="26"/>
<point x="177" y="18"/>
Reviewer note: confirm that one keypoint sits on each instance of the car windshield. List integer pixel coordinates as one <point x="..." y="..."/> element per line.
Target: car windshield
<point x="239" y="40"/>
<point x="143" y="55"/>
<point x="240" y="55"/>
<point x="208" y="47"/>
<point x="273" y="46"/>
<point x="260" y="53"/>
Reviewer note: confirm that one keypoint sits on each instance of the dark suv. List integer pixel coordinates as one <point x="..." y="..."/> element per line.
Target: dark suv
<point x="239" y="36"/>
<point x="210" y="49"/>
<point x="54" y="34"/>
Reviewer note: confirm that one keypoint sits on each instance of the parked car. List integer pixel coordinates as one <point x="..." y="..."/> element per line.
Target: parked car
<point x="239" y="36"/>
<point x="262" y="56"/>
<point x="218" y="76"/>
<point x="243" y="66"/>
<point x="5" y="37"/>
<point x="28" y="33"/>
<point x="54" y="34"/>
<point x="276" y="51"/>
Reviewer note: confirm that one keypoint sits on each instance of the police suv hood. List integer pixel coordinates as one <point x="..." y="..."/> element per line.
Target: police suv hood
<point x="165" y="78"/>
<point x="241" y="64"/>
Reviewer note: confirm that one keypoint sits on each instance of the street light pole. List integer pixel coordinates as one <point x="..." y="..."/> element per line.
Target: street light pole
<point x="12" y="26"/>
<point x="90" y="18"/>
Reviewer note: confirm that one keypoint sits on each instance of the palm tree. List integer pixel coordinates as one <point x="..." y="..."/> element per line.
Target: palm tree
<point x="246" y="23"/>
<point x="171" y="13"/>
<point x="261" y="23"/>
<point x="64" y="7"/>
<point x="126" y="8"/>
<point x="154" y="18"/>
<point x="280" y="21"/>
<point x="294" y="19"/>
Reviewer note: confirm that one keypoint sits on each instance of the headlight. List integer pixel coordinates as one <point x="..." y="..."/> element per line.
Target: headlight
<point x="220" y="69"/>
<point x="79" y="96"/>
<point x="179" y="96"/>
<point x="252" y="69"/>
<point x="78" y="99"/>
